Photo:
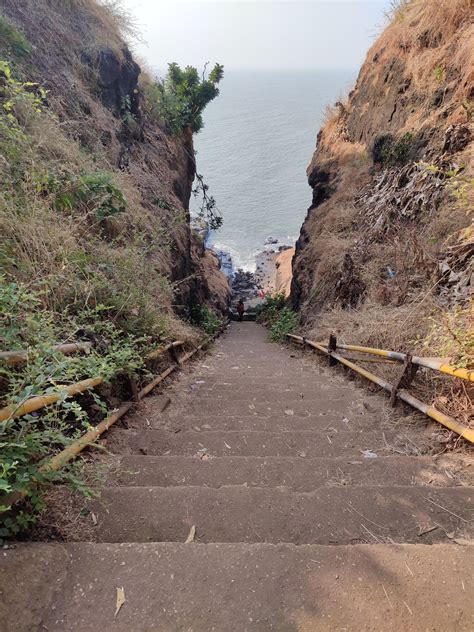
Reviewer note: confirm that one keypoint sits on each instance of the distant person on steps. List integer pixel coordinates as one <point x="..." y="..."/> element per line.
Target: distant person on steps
<point x="240" y="310"/>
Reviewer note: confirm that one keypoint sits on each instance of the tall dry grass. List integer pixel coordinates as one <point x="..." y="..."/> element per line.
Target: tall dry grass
<point x="77" y="259"/>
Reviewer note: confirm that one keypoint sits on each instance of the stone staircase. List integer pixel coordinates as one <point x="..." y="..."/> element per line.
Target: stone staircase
<point x="305" y="508"/>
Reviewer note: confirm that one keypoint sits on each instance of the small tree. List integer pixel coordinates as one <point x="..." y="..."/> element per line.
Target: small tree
<point x="182" y="95"/>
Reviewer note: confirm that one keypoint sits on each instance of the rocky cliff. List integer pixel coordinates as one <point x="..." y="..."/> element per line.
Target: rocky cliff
<point x="385" y="253"/>
<point x="97" y="125"/>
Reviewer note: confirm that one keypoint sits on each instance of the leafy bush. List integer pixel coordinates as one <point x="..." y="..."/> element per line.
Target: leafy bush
<point x="268" y="311"/>
<point x="397" y="152"/>
<point x="286" y="322"/>
<point x="12" y="41"/>
<point x="389" y="151"/>
<point x="205" y="318"/>
<point x="280" y="319"/>
<point x="181" y="97"/>
<point x="95" y="193"/>
<point x="26" y="441"/>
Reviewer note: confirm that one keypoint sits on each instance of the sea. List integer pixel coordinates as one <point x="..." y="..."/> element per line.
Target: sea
<point x="258" y="138"/>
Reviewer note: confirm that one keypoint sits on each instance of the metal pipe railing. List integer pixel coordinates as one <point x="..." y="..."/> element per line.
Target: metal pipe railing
<point x="16" y="357"/>
<point x="41" y="401"/>
<point x="430" y="411"/>
<point x="89" y="437"/>
<point x="35" y="403"/>
<point x="72" y="450"/>
<point x="169" y="347"/>
<point x="435" y="364"/>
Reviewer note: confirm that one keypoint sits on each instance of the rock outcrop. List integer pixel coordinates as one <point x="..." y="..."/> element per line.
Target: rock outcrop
<point x="99" y="93"/>
<point x="384" y="226"/>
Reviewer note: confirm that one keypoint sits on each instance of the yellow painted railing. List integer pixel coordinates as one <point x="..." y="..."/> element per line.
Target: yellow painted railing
<point x="402" y="394"/>
<point x="66" y="455"/>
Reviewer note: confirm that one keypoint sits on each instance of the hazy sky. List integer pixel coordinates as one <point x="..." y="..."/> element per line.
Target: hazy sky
<point x="257" y="34"/>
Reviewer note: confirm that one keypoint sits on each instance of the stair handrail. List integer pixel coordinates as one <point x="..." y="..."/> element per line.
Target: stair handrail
<point x="73" y="449"/>
<point x="396" y="391"/>
<point x="436" y="364"/>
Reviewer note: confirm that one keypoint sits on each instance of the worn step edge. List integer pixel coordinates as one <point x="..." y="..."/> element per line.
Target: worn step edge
<point x="242" y="587"/>
<point x="312" y="443"/>
<point x="337" y="515"/>
<point x="293" y="472"/>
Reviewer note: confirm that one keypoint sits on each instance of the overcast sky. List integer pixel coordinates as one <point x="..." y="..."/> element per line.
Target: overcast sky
<point x="261" y="34"/>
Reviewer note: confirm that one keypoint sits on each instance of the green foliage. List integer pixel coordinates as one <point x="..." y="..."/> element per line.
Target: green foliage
<point x="208" y="210"/>
<point x="205" y="318"/>
<point x="280" y="319"/>
<point x="461" y="186"/>
<point x="12" y="41"/>
<point x="126" y="113"/>
<point x="14" y="93"/>
<point x="92" y="192"/>
<point x="397" y="152"/>
<point x="25" y="442"/>
<point x="268" y="311"/>
<point x="181" y="97"/>
<point x="286" y="323"/>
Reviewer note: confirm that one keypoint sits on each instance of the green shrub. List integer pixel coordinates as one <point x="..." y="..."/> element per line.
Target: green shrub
<point x="12" y="41"/>
<point x="268" y="311"/>
<point x="398" y="152"/>
<point x="26" y="441"/>
<point x="181" y="97"/>
<point x="389" y="151"/>
<point x="285" y="323"/>
<point x="280" y="319"/>
<point x="93" y="192"/>
<point x="205" y="318"/>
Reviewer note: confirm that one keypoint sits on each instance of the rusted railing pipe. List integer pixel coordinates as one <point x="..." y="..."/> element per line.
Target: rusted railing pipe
<point x="77" y="446"/>
<point x="15" y="357"/>
<point x="429" y="363"/>
<point x="430" y="411"/>
<point x="89" y="437"/>
<point x="66" y="455"/>
<point x="35" y="403"/>
<point x="72" y="450"/>
<point x="159" y="352"/>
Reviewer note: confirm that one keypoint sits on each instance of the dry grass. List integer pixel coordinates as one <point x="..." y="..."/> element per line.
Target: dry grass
<point x="84" y="25"/>
<point x="428" y="46"/>
<point x="437" y="40"/>
<point x="129" y="260"/>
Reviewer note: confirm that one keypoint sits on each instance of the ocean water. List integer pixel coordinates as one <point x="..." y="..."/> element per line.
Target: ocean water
<point x="258" y="139"/>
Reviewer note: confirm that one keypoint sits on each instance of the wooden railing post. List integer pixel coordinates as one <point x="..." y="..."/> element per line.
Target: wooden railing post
<point x="332" y="346"/>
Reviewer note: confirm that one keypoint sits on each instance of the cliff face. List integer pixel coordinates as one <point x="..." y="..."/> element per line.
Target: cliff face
<point x="104" y="122"/>
<point x="387" y="233"/>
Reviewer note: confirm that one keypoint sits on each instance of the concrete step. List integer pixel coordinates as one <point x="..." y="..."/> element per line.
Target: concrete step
<point x="230" y="383"/>
<point x="264" y="408"/>
<point x="337" y="515"/>
<point x="328" y="422"/>
<point x="295" y="473"/>
<point x="306" y="444"/>
<point x="254" y="395"/>
<point x="238" y="588"/>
